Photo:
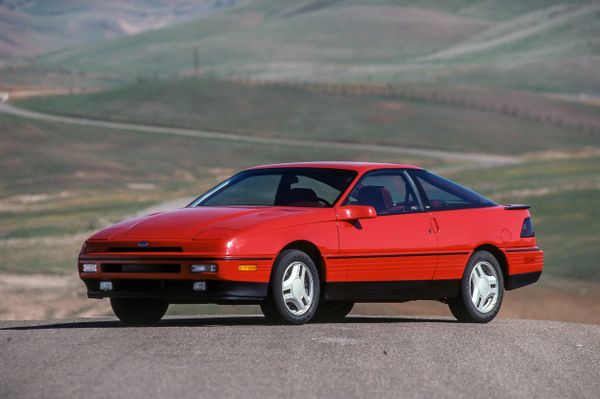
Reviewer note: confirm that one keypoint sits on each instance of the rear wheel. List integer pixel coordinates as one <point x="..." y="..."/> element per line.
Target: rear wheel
<point x="332" y="311"/>
<point x="481" y="291"/>
<point x="137" y="311"/>
<point x="294" y="289"/>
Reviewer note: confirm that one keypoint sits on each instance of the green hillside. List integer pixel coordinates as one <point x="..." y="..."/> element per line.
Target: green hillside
<point x="33" y="27"/>
<point x="316" y="113"/>
<point x="534" y="45"/>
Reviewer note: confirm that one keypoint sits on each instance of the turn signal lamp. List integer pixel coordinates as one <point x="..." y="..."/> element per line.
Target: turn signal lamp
<point x="248" y="268"/>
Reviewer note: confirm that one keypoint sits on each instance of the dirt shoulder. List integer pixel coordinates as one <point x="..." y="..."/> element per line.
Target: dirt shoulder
<point x="40" y="296"/>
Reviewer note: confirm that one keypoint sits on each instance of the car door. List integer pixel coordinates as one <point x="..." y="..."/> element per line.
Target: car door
<point x="392" y="252"/>
<point x="458" y="215"/>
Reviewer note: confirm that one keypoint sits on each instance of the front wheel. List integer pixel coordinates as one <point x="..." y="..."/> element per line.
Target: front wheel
<point x="139" y="312"/>
<point x="481" y="291"/>
<point x="294" y="289"/>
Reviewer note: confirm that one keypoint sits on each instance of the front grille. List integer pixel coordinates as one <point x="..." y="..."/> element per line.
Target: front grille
<point x="140" y="268"/>
<point x="145" y="249"/>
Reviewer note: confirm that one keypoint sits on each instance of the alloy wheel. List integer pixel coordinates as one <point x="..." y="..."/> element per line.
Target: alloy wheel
<point x="297" y="288"/>
<point x="484" y="287"/>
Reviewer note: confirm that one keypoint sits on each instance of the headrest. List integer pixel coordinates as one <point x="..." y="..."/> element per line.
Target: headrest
<point x="376" y="196"/>
<point x="298" y="197"/>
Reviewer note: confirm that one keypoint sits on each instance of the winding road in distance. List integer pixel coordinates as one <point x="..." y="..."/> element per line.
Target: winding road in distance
<point x="475" y="160"/>
<point x="241" y="356"/>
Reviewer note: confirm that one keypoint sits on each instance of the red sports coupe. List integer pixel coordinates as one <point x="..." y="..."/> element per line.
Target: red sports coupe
<point x="306" y="241"/>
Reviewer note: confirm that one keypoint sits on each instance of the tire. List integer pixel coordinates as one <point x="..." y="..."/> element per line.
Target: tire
<point x="139" y="312"/>
<point x="270" y="311"/>
<point x="328" y="312"/>
<point x="480" y="298"/>
<point x="294" y="276"/>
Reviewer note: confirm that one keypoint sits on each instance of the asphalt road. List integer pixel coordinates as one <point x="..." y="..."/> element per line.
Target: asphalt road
<point x="244" y="357"/>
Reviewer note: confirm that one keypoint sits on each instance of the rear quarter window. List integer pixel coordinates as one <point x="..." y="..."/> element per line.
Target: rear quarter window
<point x="439" y="193"/>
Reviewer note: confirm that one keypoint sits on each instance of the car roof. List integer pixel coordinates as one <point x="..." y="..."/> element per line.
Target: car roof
<point x="356" y="166"/>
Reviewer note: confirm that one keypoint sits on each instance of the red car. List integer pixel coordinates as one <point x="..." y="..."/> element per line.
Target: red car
<point x="306" y="241"/>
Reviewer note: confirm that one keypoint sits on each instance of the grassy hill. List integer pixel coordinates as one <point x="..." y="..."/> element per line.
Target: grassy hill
<point x="533" y="45"/>
<point x="326" y="113"/>
<point x="33" y="27"/>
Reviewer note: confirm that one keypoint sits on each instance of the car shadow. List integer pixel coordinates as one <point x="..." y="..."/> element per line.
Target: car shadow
<point x="216" y="321"/>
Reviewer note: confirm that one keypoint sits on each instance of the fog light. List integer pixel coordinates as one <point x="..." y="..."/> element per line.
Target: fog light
<point x="106" y="286"/>
<point x="89" y="268"/>
<point x="204" y="268"/>
<point x="248" y="268"/>
<point x="199" y="285"/>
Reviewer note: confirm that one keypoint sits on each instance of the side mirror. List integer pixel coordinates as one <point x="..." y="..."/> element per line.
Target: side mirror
<point x="350" y="213"/>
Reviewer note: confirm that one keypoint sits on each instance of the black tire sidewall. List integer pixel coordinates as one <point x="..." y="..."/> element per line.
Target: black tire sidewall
<point x="283" y="260"/>
<point x="469" y="309"/>
<point x="138" y="311"/>
<point x="332" y="311"/>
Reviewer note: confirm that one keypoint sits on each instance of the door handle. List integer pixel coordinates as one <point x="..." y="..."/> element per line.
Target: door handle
<point x="435" y="228"/>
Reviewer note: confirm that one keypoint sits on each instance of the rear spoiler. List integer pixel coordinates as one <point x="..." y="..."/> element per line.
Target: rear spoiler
<point x="514" y="207"/>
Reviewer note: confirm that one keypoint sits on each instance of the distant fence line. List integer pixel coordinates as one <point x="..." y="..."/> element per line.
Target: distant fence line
<point x="425" y="95"/>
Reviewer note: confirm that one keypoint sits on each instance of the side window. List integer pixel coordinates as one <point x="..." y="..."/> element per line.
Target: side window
<point x="439" y="193"/>
<point x="388" y="191"/>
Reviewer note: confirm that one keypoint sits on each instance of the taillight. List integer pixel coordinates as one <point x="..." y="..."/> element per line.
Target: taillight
<point x="527" y="228"/>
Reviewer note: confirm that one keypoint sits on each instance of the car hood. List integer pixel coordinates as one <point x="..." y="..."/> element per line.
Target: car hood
<point x="201" y="222"/>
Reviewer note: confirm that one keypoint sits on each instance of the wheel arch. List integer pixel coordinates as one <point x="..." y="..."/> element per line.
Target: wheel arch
<point x="311" y="250"/>
<point x="499" y="255"/>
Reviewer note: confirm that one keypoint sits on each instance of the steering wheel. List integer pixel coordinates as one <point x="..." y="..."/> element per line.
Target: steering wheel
<point x="323" y="201"/>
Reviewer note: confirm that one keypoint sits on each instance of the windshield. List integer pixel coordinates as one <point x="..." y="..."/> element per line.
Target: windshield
<point x="308" y="187"/>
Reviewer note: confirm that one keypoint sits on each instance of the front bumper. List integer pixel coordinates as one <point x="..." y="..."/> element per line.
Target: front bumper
<point x="169" y="277"/>
<point x="181" y="291"/>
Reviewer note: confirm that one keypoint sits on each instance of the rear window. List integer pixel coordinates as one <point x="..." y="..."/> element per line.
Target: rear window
<point x="439" y="193"/>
